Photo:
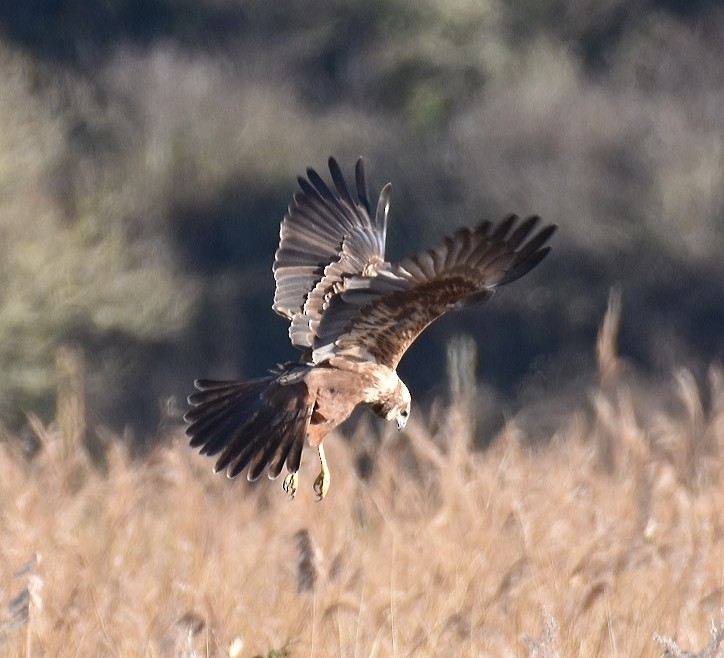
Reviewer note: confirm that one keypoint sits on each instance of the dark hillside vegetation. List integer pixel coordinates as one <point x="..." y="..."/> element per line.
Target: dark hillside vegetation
<point x="149" y="151"/>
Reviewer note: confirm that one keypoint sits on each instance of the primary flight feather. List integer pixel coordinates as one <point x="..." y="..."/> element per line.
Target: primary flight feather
<point x="354" y="315"/>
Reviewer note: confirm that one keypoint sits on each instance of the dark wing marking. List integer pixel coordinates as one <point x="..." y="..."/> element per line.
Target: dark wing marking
<point x="324" y="237"/>
<point x="377" y="318"/>
<point x="260" y="424"/>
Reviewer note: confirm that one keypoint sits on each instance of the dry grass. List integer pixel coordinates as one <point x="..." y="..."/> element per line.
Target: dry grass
<point x="608" y="541"/>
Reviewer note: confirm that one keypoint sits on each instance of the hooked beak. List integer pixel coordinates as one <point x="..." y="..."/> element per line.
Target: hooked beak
<point x="401" y="422"/>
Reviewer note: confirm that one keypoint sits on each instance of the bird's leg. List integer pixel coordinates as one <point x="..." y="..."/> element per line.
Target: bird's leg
<point x="321" y="484"/>
<point x="290" y="483"/>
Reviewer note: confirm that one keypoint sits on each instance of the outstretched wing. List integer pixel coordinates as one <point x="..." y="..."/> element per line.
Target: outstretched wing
<point x="325" y="237"/>
<point x="377" y="318"/>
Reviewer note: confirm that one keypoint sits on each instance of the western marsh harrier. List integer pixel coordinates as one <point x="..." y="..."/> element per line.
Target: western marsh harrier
<point x="353" y="314"/>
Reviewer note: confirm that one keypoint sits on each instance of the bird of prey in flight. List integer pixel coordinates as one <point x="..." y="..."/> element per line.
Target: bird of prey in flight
<point x="353" y="314"/>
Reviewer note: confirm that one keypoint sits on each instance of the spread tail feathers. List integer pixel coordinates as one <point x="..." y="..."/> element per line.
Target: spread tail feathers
<point x="260" y="424"/>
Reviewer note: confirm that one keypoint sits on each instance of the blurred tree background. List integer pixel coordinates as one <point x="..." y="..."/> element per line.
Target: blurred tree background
<point x="149" y="149"/>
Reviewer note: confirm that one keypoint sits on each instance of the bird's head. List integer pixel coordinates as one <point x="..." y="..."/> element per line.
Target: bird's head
<point x="392" y="400"/>
<point x="401" y="410"/>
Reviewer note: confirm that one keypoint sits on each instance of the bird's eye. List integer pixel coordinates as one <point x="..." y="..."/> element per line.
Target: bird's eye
<point x="404" y="413"/>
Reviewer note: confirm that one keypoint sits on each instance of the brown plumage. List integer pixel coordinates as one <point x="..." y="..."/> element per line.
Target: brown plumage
<point x="353" y="314"/>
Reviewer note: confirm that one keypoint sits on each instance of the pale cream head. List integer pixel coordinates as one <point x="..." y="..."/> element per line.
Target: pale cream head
<point x="400" y="412"/>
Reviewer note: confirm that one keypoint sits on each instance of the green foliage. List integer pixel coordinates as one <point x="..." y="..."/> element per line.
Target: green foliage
<point x="70" y="265"/>
<point x="148" y="132"/>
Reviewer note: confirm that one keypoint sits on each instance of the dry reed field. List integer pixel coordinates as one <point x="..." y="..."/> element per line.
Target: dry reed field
<point x="606" y="539"/>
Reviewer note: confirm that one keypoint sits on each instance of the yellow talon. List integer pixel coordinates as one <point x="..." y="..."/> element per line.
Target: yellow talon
<point x="290" y="483"/>
<point x="321" y="484"/>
